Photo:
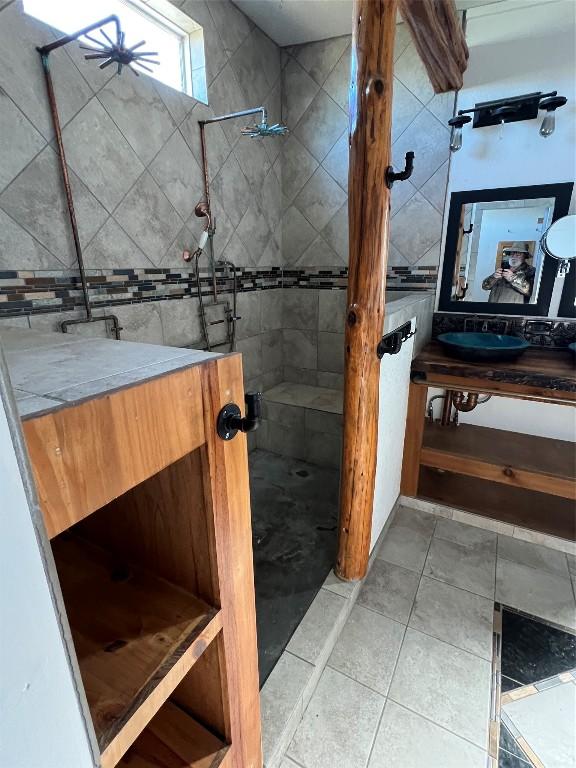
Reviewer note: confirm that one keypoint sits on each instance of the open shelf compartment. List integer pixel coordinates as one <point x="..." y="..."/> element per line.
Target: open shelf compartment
<point x="500" y="456"/>
<point x="131" y="629"/>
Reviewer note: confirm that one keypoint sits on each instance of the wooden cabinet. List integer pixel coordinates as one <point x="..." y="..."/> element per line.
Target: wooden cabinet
<point x="148" y="515"/>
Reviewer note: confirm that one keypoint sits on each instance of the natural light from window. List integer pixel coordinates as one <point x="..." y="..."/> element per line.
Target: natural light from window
<point x="139" y="21"/>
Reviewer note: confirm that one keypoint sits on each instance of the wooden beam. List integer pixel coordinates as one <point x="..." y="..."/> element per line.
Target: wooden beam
<point x="374" y="23"/>
<point x="439" y="39"/>
<point x="413" y="439"/>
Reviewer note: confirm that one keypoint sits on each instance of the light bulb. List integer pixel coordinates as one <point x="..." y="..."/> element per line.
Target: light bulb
<point x="548" y="125"/>
<point x="456" y="139"/>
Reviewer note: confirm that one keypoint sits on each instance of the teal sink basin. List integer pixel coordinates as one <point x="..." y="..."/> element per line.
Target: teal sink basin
<point x="487" y="347"/>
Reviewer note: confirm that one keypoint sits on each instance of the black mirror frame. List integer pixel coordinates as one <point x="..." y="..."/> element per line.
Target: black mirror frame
<point x="561" y="192"/>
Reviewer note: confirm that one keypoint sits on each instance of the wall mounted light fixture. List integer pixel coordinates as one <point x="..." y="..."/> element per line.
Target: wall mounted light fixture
<point x="511" y="110"/>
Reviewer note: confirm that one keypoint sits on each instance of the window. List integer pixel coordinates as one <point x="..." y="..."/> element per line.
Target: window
<point x="177" y="39"/>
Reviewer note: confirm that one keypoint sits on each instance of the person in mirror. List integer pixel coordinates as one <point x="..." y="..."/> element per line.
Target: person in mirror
<point x="513" y="281"/>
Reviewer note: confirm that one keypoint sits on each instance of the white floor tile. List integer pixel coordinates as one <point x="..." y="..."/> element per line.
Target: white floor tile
<point x="407" y="740"/>
<point x="448" y="686"/>
<point x="408" y="538"/>
<point x="454" y="615"/>
<point x="468" y="566"/>
<point x="390" y="590"/>
<point x="469" y="535"/>
<point x="536" y="592"/>
<point x="368" y="648"/>
<point x="339" y="724"/>
<point x="321" y="619"/>
<point x="534" y="555"/>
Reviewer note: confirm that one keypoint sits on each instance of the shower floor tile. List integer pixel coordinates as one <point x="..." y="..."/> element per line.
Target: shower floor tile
<point x="294" y="517"/>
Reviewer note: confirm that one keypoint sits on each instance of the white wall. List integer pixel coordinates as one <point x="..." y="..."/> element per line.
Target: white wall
<point x="516" y="50"/>
<point x="41" y="724"/>
<point x="394" y="386"/>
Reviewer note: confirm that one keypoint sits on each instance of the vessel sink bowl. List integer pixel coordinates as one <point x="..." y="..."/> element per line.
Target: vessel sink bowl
<point x="485" y="347"/>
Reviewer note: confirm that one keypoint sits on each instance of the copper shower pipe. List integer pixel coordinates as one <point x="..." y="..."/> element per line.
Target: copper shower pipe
<point x="44" y="52"/>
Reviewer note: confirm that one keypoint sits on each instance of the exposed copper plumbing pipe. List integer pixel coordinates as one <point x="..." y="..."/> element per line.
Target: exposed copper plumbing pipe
<point x="465" y="403"/>
<point x="447" y="408"/>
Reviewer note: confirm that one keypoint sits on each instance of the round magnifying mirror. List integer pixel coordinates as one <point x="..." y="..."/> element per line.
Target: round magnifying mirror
<point x="559" y="241"/>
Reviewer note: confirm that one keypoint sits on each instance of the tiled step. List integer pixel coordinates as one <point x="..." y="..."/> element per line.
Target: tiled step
<point x="286" y="693"/>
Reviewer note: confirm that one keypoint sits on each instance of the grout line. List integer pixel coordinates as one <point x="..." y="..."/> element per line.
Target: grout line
<point x="438" y="725"/>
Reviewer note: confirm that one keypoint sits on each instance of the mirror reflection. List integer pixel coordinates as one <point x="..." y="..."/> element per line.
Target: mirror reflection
<point x="498" y="255"/>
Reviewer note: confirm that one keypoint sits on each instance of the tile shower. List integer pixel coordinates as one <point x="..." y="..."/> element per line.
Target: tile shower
<point x="280" y="206"/>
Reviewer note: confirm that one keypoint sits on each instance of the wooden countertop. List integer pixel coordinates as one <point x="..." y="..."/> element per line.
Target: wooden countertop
<point x="540" y="372"/>
<point x="50" y="371"/>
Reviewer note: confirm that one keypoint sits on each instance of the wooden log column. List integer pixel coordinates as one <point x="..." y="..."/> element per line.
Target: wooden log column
<point x="374" y="24"/>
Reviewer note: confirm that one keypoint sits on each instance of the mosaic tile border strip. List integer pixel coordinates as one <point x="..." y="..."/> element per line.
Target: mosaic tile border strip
<point x="538" y="331"/>
<point x="39" y="292"/>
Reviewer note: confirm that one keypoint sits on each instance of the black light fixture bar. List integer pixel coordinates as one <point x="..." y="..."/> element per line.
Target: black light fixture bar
<point x="509" y="110"/>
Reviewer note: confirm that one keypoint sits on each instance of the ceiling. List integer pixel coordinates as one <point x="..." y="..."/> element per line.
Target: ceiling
<point x="289" y="22"/>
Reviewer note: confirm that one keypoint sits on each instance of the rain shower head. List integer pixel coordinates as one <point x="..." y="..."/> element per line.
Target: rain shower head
<point x="256" y="131"/>
<point x="117" y="53"/>
<point x="259" y="130"/>
<point x="109" y="50"/>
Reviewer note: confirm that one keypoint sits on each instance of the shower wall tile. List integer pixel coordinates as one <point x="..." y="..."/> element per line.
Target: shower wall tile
<point x="254" y="233"/>
<point x="148" y="217"/>
<point x="338" y="81"/>
<point x="301" y="348"/>
<point x="331" y="352"/>
<point x="251" y="350"/>
<point x="26" y="141"/>
<point x="35" y="200"/>
<point x="250" y="311"/>
<point x="233" y="189"/>
<point x="317" y="117"/>
<point x="21" y="72"/>
<point x="435" y="188"/>
<point x="321" y="126"/>
<point x="272" y="350"/>
<point x="298" y="91"/>
<point x="320" y="198"/>
<point x="415" y="228"/>
<point x="271" y="308"/>
<point x="112" y="246"/>
<point x="31" y="254"/>
<point x="298" y="166"/>
<point x="336" y="162"/>
<point x="336" y="233"/>
<point x="217" y="145"/>
<point x="319" y="253"/>
<point x="180" y="322"/>
<point x="332" y="311"/>
<point x="178" y="174"/>
<point x="429" y="140"/>
<point x="231" y="24"/>
<point x="300" y="309"/>
<point x="141" y="322"/>
<point x="134" y="105"/>
<point x="100" y="155"/>
<point x="320" y="58"/>
<point x="297" y="235"/>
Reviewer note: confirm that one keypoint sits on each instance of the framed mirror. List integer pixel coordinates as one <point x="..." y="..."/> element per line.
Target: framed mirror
<point x="493" y="260"/>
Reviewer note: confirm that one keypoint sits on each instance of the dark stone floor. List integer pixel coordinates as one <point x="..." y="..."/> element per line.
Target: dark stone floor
<point x="294" y="517"/>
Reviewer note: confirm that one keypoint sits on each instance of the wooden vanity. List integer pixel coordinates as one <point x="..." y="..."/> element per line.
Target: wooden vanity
<point x="517" y="478"/>
<point x="147" y="514"/>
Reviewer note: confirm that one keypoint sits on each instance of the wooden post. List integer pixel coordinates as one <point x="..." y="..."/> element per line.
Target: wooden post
<point x="374" y="23"/>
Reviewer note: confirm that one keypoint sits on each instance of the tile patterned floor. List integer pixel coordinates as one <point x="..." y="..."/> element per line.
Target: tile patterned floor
<point x="408" y="684"/>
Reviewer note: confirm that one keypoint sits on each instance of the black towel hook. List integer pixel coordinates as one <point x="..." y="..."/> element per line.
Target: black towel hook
<point x="392" y="176"/>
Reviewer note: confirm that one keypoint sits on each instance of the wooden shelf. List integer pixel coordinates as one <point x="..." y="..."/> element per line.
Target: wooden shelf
<point x="136" y="636"/>
<point x="174" y="739"/>
<point x="517" y="506"/>
<point x="511" y="458"/>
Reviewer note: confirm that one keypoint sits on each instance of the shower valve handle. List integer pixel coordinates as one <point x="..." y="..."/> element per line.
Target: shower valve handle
<point x="230" y="420"/>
